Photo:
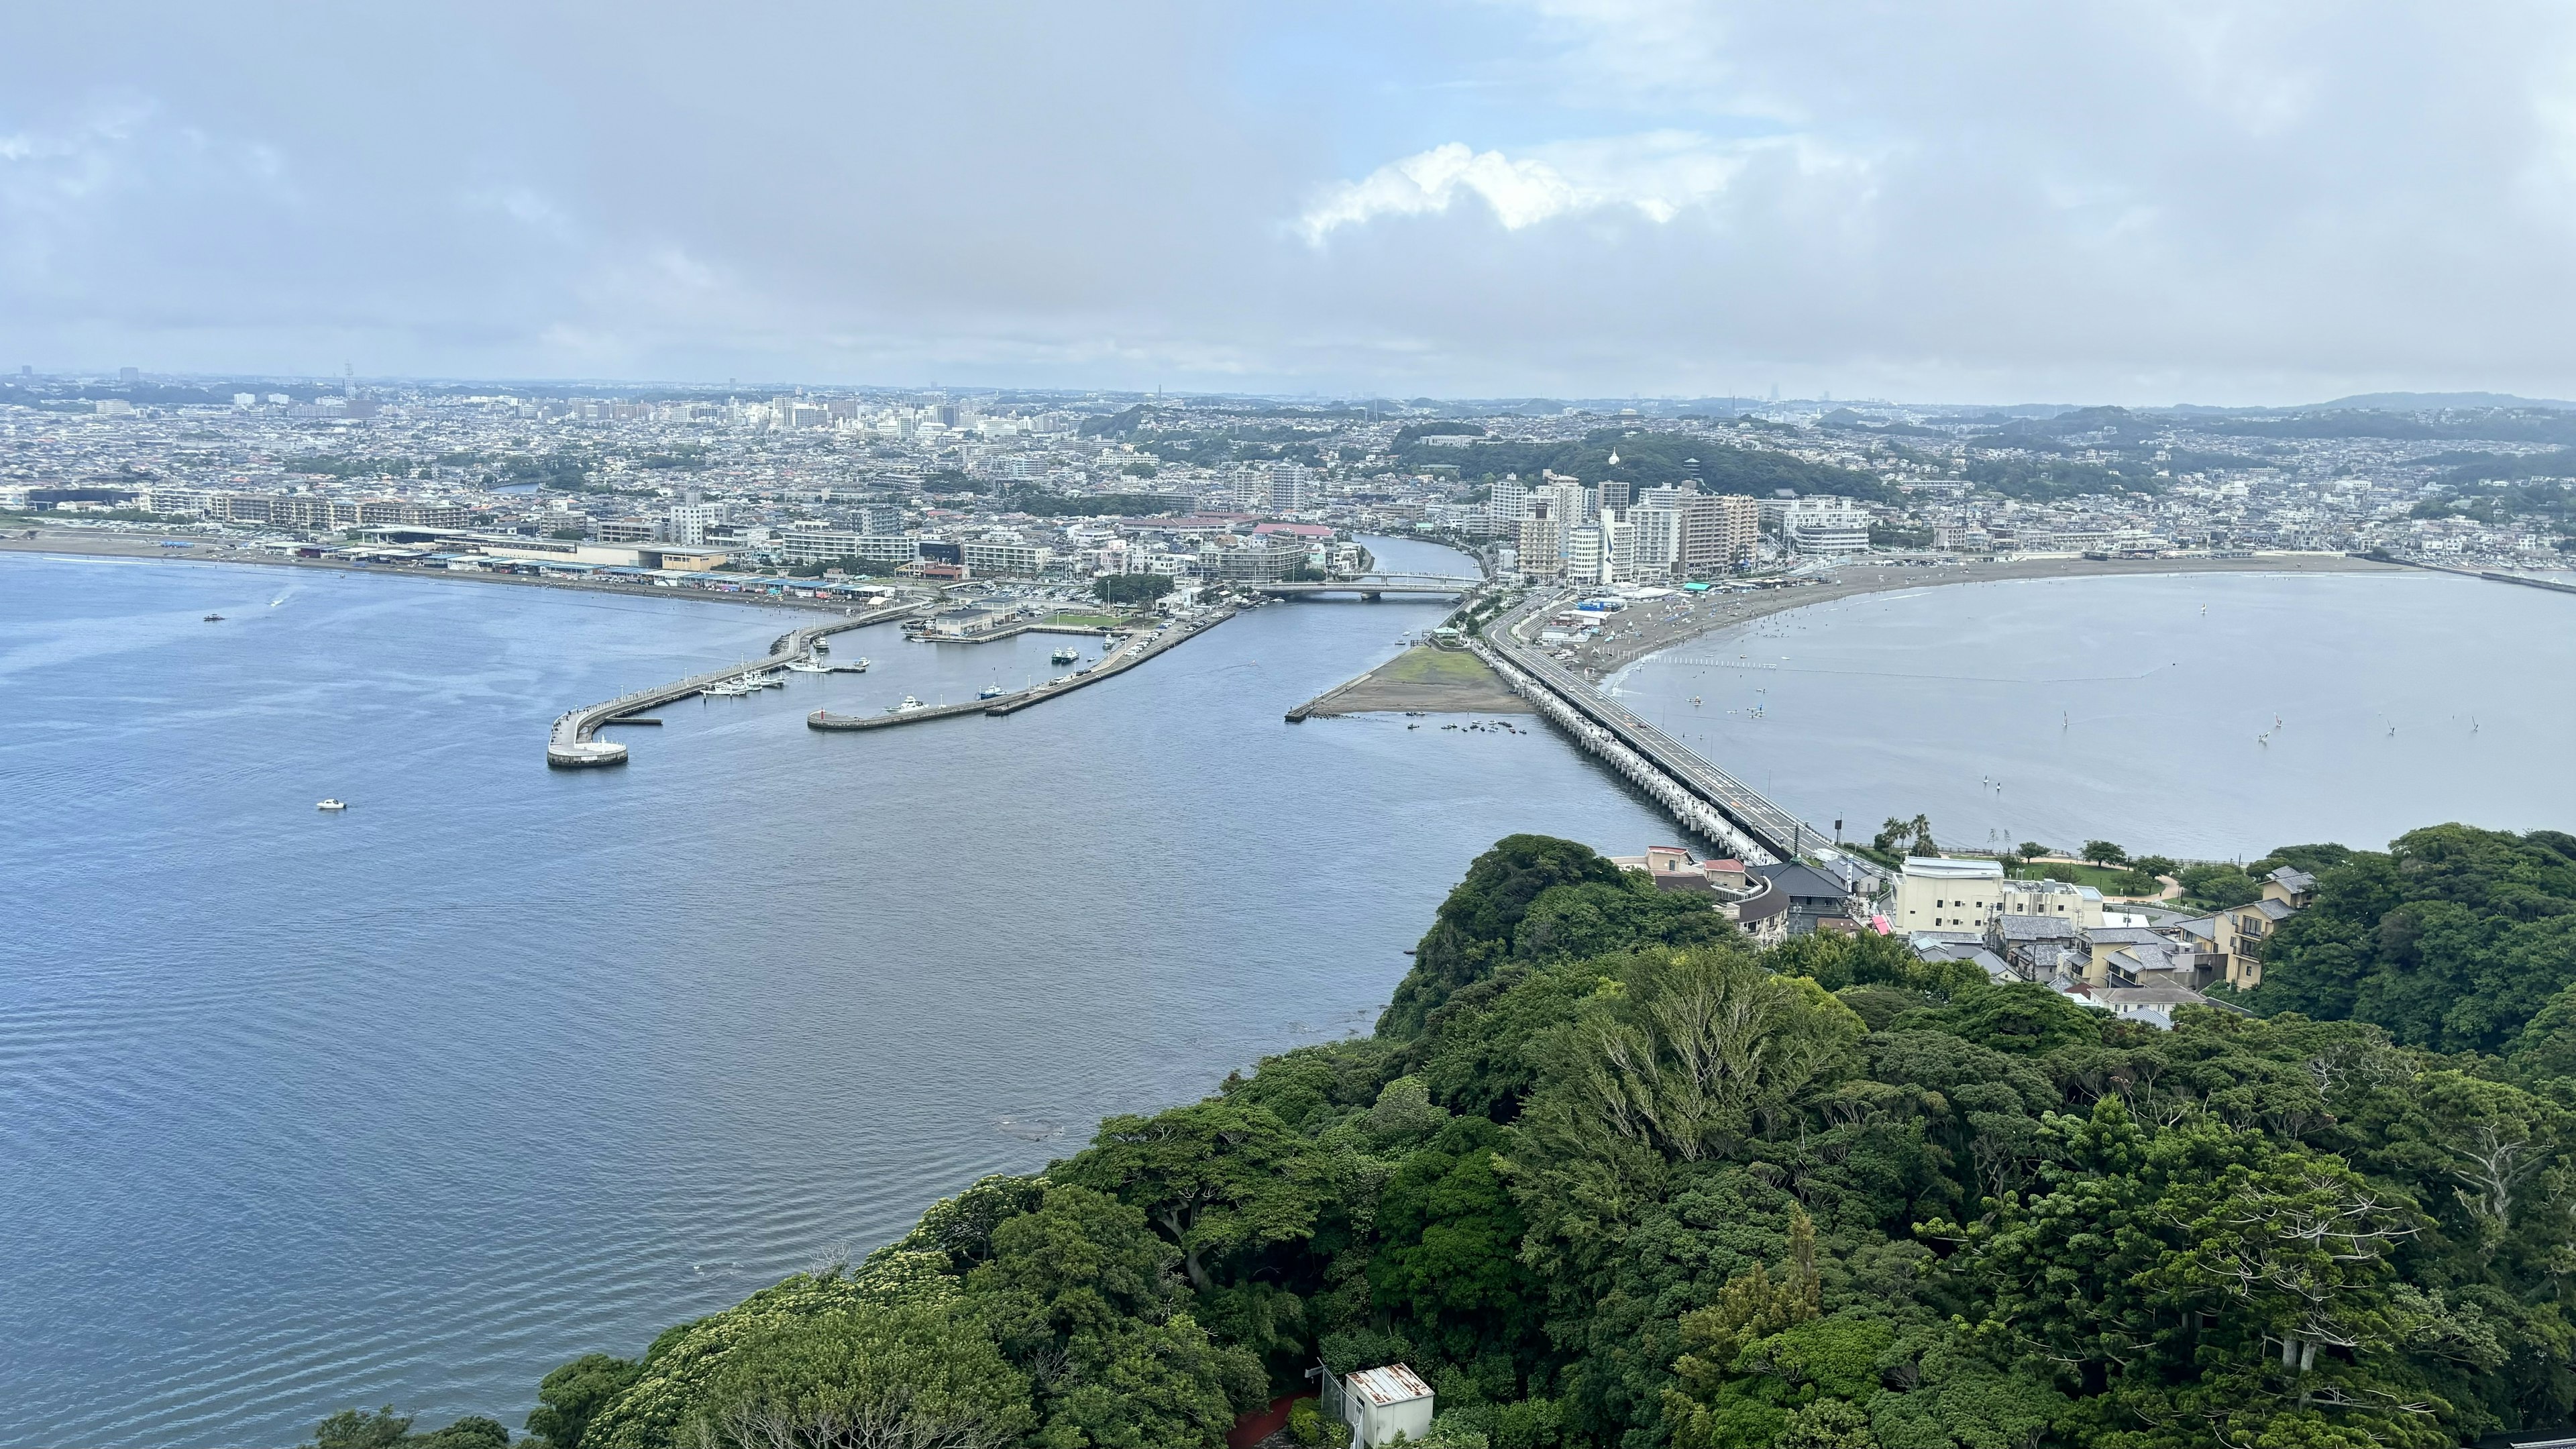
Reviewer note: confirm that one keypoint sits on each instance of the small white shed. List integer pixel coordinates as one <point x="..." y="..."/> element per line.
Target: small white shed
<point x="1380" y="1403"/>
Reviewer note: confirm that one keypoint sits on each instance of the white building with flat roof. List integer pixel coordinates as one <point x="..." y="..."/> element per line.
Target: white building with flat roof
<point x="1936" y="893"/>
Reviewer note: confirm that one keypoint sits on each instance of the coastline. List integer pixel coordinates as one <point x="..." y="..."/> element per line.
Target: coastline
<point x="149" y="549"/>
<point x="1597" y="662"/>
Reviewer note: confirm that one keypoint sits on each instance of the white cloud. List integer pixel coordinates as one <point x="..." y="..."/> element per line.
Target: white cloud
<point x="1657" y="175"/>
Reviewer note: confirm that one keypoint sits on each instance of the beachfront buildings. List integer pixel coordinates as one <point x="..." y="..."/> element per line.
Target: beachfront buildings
<point x="1941" y="894"/>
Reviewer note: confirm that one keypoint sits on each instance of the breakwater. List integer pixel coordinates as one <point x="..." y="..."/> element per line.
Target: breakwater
<point x="1136" y="650"/>
<point x="572" y="744"/>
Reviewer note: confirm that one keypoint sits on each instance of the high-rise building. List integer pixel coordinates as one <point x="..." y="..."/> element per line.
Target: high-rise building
<point x="1712" y="532"/>
<point x="1542" y="541"/>
<point x="1586" y="556"/>
<point x="1291" y="486"/>
<point x="1619" y="541"/>
<point x="1655" y="537"/>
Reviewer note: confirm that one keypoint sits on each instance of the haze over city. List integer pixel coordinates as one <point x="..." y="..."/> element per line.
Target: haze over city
<point x="2140" y="204"/>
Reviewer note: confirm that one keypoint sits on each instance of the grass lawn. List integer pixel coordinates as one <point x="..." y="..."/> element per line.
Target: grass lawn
<point x="2101" y="879"/>
<point x="1422" y="664"/>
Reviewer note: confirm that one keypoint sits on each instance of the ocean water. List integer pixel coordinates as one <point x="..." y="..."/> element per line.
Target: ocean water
<point x="2196" y="715"/>
<point x="410" y="1104"/>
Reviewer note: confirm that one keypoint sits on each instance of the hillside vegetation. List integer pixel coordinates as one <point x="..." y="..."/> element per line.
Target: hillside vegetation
<point x="1605" y="1176"/>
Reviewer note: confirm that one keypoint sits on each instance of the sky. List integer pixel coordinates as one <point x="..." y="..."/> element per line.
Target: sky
<point x="2137" y="203"/>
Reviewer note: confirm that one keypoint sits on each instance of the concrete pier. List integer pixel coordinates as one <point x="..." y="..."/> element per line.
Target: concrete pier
<point x="571" y="746"/>
<point x="1119" y="660"/>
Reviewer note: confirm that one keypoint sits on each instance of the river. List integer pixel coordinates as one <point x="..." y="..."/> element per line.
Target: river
<point x="505" y="1065"/>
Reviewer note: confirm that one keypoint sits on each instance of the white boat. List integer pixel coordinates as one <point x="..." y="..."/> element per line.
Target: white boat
<point x="909" y="704"/>
<point x="808" y="666"/>
<point x="1064" y="656"/>
<point x="333" y="804"/>
<point x="990" y="691"/>
<point x="728" y="691"/>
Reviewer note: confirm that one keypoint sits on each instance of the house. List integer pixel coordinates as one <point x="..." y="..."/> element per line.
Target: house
<point x="1748" y="900"/>
<point x="2036" y="947"/>
<point x="2235" y="936"/>
<point x="1379" y="1404"/>
<point x="1962" y="946"/>
<point x="1817" y="900"/>
<point x="1764" y="915"/>
<point x="2290" y="886"/>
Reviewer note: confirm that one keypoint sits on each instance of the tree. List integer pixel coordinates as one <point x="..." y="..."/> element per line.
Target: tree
<point x="572" y="1395"/>
<point x="2452" y="939"/>
<point x="2103" y="852"/>
<point x="354" y="1429"/>
<point x="1131" y="588"/>
<point x="867" y="1378"/>
<point x="385" y="1429"/>
<point x="2030" y="849"/>
<point x="1217" y="1178"/>
<point x="1473" y="933"/>
<point x="1893" y="835"/>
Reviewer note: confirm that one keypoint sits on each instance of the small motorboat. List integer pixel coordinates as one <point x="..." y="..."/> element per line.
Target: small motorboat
<point x="333" y="804"/>
<point x="990" y="691"/>
<point x="909" y="705"/>
<point x="214" y="618"/>
<point x="809" y="666"/>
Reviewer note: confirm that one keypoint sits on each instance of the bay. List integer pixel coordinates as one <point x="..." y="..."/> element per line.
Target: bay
<point x="301" y="1112"/>
<point x="2208" y="716"/>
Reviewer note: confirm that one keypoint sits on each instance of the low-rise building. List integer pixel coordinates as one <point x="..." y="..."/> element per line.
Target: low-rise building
<point x="1936" y="893"/>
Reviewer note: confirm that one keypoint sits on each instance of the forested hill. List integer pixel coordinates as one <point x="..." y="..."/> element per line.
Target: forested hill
<point x="1605" y="1176"/>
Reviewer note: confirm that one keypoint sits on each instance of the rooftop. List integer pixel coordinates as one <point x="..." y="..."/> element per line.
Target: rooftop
<point x="1933" y="867"/>
<point x="1394" y="1384"/>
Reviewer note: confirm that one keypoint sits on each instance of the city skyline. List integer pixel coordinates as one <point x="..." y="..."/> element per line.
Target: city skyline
<point x="2118" y="205"/>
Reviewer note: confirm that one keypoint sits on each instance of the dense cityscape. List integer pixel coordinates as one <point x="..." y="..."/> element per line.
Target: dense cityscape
<point x="1543" y="724"/>
<point x="696" y="486"/>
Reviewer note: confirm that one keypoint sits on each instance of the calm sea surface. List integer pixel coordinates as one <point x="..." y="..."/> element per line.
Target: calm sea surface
<point x="2197" y="715"/>
<point x="300" y="1111"/>
<point x="410" y="1104"/>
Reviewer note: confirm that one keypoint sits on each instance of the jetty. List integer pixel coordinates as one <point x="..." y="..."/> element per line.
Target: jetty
<point x="573" y="744"/>
<point x="1135" y="650"/>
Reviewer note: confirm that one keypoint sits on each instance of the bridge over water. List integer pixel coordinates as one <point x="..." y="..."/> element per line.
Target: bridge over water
<point x="1698" y="792"/>
<point x="1371" y="586"/>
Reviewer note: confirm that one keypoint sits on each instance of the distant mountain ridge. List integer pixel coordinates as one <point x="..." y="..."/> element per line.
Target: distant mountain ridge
<point x="2411" y="402"/>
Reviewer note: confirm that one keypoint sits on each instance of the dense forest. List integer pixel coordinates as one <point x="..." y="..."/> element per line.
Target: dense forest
<point x="1606" y="1176"/>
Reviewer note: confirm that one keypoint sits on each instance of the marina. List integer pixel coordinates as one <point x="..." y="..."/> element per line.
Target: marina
<point x="1126" y="655"/>
<point x="574" y="743"/>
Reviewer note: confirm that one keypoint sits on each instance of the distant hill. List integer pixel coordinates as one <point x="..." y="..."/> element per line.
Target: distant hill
<point x="2411" y="402"/>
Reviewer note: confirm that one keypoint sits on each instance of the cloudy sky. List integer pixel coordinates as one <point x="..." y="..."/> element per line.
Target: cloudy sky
<point x="2142" y="203"/>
